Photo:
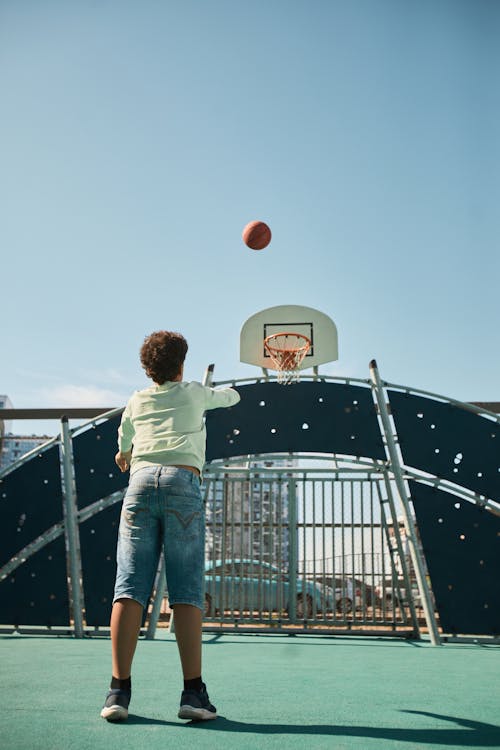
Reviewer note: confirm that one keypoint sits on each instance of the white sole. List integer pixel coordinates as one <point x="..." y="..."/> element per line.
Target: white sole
<point x="114" y="713"/>
<point x="195" y="714"/>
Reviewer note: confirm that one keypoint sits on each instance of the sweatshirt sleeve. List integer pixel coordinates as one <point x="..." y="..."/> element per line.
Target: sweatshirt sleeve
<point x="125" y="431"/>
<point x="222" y="397"/>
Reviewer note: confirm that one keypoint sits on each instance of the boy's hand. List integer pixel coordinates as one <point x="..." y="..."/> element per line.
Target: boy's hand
<point x="122" y="460"/>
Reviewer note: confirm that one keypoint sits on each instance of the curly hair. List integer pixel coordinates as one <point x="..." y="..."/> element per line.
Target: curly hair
<point x="162" y="355"/>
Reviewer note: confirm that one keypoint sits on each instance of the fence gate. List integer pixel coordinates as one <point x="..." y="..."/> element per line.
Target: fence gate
<point x="298" y="550"/>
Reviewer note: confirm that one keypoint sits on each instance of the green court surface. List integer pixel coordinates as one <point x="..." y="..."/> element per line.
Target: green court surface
<point x="271" y="691"/>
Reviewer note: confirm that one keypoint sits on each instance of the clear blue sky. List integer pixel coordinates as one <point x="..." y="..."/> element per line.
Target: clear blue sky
<point x="137" y="139"/>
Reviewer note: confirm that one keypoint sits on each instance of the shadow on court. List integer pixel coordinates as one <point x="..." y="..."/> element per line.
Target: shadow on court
<point x="471" y="733"/>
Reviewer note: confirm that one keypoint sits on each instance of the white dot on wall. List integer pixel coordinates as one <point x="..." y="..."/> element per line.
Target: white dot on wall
<point x="305" y="426"/>
<point x="273" y="430"/>
<point x="262" y="403"/>
<point x="462" y="537"/>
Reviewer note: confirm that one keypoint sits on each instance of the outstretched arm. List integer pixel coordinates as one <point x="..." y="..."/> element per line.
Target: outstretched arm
<point x="221" y="397"/>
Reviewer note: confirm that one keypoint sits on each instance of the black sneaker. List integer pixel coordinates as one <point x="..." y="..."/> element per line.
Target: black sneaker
<point x="116" y="705"/>
<point x="196" y="705"/>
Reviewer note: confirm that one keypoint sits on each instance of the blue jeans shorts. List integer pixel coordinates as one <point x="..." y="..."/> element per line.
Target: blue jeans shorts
<point x="162" y="509"/>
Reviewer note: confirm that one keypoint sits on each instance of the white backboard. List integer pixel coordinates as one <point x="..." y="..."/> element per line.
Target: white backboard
<point x="318" y="327"/>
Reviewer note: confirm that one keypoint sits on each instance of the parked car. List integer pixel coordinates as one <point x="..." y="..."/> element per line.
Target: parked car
<point x="347" y="592"/>
<point x="250" y="585"/>
<point x="395" y="594"/>
<point x="347" y="595"/>
<point x="387" y="593"/>
<point x="366" y="593"/>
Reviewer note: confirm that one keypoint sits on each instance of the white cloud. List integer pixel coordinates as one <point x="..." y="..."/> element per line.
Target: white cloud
<point x="112" y="376"/>
<point x="68" y="394"/>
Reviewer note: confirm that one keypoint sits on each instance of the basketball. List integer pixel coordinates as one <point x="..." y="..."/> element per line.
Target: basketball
<point x="256" y="235"/>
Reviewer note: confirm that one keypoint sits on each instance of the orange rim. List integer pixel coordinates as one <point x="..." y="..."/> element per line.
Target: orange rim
<point x="285" y="357"/>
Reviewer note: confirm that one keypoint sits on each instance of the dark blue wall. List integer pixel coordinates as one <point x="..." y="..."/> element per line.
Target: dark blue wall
<point x="461" y="543"/>
<point x="449" y="442"/>
<point x="312" y="417"/>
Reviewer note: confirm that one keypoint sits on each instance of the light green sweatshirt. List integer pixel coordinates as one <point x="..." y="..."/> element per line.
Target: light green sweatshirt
<point x="164" y="424"/>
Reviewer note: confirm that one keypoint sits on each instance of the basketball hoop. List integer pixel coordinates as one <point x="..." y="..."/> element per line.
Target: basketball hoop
<point x="287" y="351"/>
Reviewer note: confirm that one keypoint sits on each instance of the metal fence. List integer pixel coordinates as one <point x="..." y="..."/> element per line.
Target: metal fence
<point x="295" y="550"/>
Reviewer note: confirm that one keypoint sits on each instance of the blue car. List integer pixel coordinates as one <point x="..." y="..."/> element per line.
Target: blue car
<point x="255" y="586"/>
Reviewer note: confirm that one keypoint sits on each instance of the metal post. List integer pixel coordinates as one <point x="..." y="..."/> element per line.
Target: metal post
<point x="161" y="583"/>
<point x="293" y="552"/>
<point x="208" y="376"/>
<point x="396" y="469"/>
<point x="71" y="531"/>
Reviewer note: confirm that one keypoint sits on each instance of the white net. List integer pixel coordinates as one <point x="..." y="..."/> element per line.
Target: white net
<point x="287" y="350"/>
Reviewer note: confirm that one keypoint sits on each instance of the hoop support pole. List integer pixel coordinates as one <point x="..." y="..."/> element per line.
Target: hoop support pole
<point x="396" y="467"/>
<point x="71" y="530"/>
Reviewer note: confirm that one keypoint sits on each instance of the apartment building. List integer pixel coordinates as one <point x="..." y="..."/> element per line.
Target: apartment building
<point x="247" y="516"/>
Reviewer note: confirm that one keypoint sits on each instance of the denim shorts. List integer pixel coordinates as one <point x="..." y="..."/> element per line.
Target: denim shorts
<point x="162" y="509"/>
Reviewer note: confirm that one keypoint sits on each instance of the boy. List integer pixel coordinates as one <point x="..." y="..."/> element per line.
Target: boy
<point x="162" y="439"/>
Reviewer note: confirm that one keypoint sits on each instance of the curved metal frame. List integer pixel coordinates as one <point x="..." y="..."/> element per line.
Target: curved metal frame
<point x="393" y="468"/>
<point x="56" y="531"/>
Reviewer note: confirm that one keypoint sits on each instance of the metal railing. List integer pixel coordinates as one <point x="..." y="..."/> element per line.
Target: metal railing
<point x="291" y="551"/>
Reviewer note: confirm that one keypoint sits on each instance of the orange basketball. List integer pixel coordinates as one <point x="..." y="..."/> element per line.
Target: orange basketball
<point x="256" y="235"/>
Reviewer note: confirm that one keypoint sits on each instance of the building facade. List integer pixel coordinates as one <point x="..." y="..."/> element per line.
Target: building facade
<point x="5" y="426"/>
<point x="255" y="509"/>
